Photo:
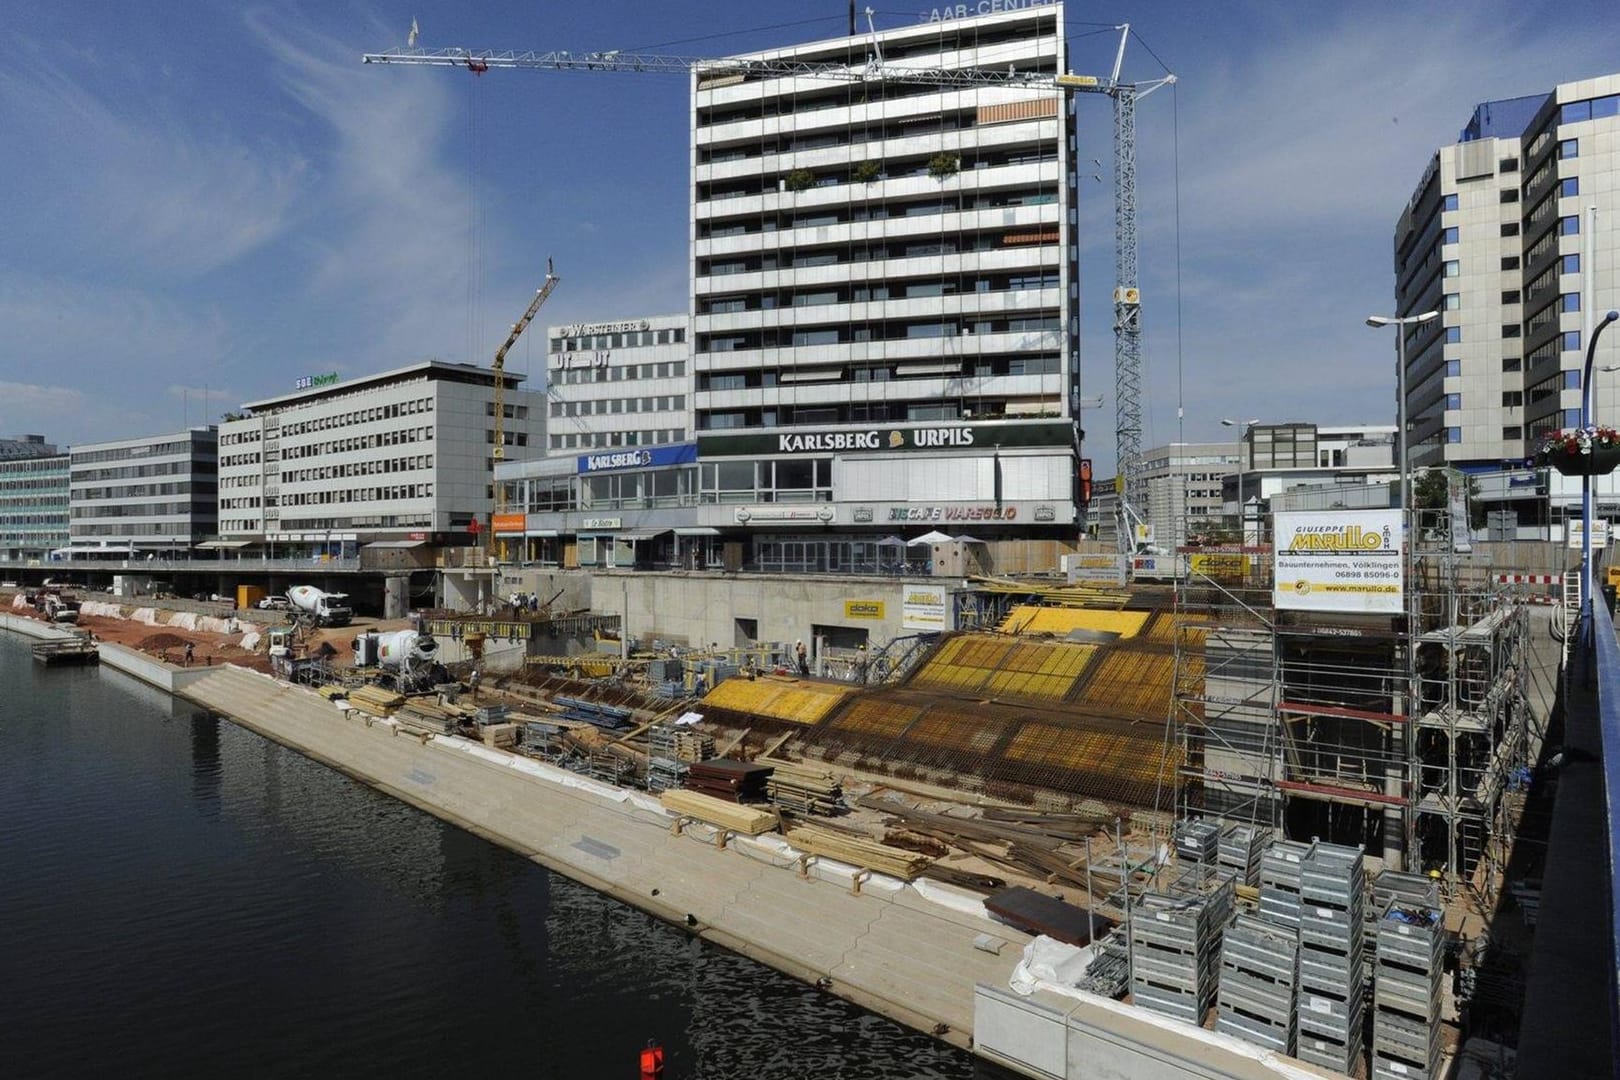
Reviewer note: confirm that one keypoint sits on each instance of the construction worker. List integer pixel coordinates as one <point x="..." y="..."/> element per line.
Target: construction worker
<point x="803" y="657"/>
<point x="472" y="683"/>
<point x="189" y="648"/>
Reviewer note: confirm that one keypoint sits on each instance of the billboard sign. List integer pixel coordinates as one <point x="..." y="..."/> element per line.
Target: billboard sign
<point x="925" y="608"/>
<point x="1339" y="560"/>
<point x="1096" y="568"/>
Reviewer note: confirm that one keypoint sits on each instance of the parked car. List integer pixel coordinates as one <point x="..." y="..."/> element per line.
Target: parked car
<point x="274" y="603"/>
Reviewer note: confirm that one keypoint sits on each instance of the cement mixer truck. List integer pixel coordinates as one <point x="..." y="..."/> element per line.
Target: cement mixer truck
<point x="409" y="659"/>
<point x="319" y="607"/>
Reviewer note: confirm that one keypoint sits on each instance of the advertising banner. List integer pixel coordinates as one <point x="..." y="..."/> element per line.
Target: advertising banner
<point x="509" y="523"/>
<point x="863" y="609"/>
<point x="1096" y="568"/>
<point x="925" y="608"/>
<point x="1339" y="560"/>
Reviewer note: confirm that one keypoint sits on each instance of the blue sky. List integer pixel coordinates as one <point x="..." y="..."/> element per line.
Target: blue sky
<point x="203" y="201"/>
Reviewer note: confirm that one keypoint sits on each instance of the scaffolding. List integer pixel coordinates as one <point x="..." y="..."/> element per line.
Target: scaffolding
<point x="1403" y="734"/>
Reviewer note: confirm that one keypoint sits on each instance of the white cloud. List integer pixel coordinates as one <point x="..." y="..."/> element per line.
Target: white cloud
<point x="128" y="179"/>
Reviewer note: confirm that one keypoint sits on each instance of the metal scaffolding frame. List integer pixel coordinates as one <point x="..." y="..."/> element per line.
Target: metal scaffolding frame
<point x="1408" y="731"/>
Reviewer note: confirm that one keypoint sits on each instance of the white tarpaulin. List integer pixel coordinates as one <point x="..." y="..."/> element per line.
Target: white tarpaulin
<point x="1339" y="560"/>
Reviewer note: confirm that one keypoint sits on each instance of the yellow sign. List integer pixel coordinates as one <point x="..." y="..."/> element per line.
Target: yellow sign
<point x="863" y="609"/>
<point x="1614" y="575"/>
<point x="1220" y="566"/>
<point x="1076" y="80"/>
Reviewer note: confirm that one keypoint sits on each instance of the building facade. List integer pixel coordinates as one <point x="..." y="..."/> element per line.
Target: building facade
<point x="618" y="384"/>
<point x="1184" y="488"/>
<point x="1494" y="238"/>
<point x="399" y="455"/>
<point x="887" y="267"/>
<point x="33" y="499"/>
<point x="153" y="495"/>
<point x="883" y="336"/>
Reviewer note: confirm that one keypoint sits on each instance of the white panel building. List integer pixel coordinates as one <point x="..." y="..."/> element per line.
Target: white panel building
<point x="612" y="384"/>
<point x="402" y="454"/>
<point x="150" y="495"/>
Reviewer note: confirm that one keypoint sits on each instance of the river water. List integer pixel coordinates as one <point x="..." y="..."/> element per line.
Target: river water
<point x="180" y="897"/>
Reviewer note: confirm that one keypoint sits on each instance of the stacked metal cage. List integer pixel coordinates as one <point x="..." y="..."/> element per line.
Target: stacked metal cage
<point x="1240" y="851"/>
<point x="1280" y="868"/>
<point x="1406" y="993"/>
<point x="1332" y="972"/>
<point x="665" y="770"/>
<point x="1197" y="841"/>
<point x="1175" y="936"/>
<point x="1412" y="890"/>
<point x="1258" y="981"/>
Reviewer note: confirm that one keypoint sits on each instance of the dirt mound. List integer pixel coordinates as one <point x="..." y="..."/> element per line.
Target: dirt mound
<point x="160" y="641"/>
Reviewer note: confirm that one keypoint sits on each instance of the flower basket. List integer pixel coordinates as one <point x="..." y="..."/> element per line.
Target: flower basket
<point x="1592" y="451"/>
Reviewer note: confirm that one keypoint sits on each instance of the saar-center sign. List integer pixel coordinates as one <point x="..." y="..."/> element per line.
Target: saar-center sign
<point x="1344" y="560"/>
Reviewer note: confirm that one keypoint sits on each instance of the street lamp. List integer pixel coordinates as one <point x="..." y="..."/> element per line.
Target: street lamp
<point x="1242" y="428"/>
<point x="1401" y="322"/>
<point x="1586" y="478"/>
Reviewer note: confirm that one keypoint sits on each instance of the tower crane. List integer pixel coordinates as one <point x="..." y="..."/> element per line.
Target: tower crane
<point x="498" y="368"/>
<point x="874" y="69"/>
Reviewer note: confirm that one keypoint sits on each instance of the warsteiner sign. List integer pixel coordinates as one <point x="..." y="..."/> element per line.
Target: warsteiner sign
<point x="1343" y="560"/>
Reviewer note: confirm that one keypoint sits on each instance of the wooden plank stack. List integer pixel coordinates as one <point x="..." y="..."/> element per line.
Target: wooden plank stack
<point x="501" y="736"/>
<point x="868" y="854"/>
<point x="803" y="788"/>
<point x="693" y="746"/>
<point x="376" y="701"/>
<point x="734" y="781"/>
<point x="726" y="815"/>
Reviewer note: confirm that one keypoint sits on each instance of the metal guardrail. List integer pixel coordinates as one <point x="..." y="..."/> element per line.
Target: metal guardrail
<point x="227" y="565"/>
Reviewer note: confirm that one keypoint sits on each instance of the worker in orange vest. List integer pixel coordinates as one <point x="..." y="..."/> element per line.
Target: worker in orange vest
<point x="652" y="1061"/>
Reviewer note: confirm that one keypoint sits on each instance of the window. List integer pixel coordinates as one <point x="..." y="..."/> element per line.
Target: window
<point x="1510" y="262"/>
<point x="1568" y="148"/>
<point x="1571" y="341"/>
<point x="1569" y="226"/>
<point x="1510" y="195"/>
<point x="1453" y="335"/>
<point x="1572" y="380"/>
<point x="1512" y="399"/>
<point x="1569" y="264"/>
<point x="1451" y="301"/>
<point x="1449" y="202"/>
<point x="1512" y="363"/>
<point x="1510" y="228"/>
<point x="1508" y="165"/>
<point x="1570" y="302"/>
<point x="1453" y="434"/>
<point x="1570" y="185"/>
<point x="1453" y="368"/>
<point x="1510" y="296"/>
<point x="1575" y="112"/>
<point x="1513" y="433"/>
<point x="1452" y="268"/>
<point x="1510" y="330"/>
<point x="1448" y="235"/>
<point x="1453" y="401"/>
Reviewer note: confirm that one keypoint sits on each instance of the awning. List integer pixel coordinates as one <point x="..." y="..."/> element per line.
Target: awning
<point x="697" y="530"/>
<point x="540" y="532"/>
<point x="396" y="544"/>
<point x="639" y="534"/>
<point x="209" y="545"/>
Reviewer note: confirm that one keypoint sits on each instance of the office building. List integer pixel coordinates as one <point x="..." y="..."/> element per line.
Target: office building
<point x="33" y="499"/>
<point x="153" y="495"/>
<point x="1494" y="238"/>
<point x="618" y="384"/>
<point x="399" y="455"/>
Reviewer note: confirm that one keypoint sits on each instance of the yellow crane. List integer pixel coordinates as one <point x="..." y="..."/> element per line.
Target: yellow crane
<point x="499" y="370"/>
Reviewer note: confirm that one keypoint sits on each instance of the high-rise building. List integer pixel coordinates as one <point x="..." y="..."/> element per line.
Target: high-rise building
<point x="889" y="269"/>
<point x="618" y="384"/>
<point x="33" y="498"/>
<point x="1494" y="238"/>
<point x="157" y="494"/>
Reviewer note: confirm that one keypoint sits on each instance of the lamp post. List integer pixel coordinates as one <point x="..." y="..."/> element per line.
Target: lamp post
<point x="1586" y="478"/>
<point x="1242" y="427"/>
<point x="1401" y="322"/>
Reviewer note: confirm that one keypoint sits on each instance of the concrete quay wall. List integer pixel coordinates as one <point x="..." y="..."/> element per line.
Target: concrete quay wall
<point x="905" y="951"/>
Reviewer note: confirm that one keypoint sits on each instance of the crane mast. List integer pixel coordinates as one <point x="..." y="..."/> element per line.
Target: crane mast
<point x="1127" y="297"/>
<point x="499" y="370"/>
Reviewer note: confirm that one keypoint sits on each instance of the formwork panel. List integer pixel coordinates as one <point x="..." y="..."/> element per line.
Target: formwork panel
<point x="872" y="719"/>
<point x="1132" y="685"/>
<point x="1026" y="619"/>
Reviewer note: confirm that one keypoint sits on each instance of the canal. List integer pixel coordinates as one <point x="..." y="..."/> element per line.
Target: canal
<point x="181" y="897"/>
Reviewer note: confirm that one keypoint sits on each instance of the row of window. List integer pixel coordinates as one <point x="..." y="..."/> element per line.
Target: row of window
<point x="127" y="453"/>
<point x="600" y="373"/>
<point x="861" y="173"/>
<point x="353" y="444"/>
<point x="880" y="412"/>
<point x="180" y="533"/>
<point x="977" y="367"/>
<point x="358" y="468"/>
<point x="618" y="406"/>
<point x="386" y="493"/>
<point x="598" y="440"/>
<point x="137" y="472"/>
<point x="631" y="339"/>
<point x="847" y="333"/>
<point x="868" y="292"/>
<point x="358" y="416"/>
<point x="879" y="250"/>
<point x="140" y="510"/>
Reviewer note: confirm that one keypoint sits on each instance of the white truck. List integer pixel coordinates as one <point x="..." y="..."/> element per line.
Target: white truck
<point x="408" y="658"/>
<point x="319" y="606"/>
